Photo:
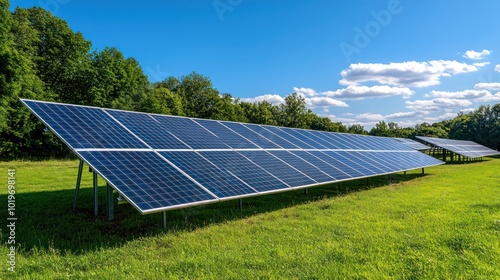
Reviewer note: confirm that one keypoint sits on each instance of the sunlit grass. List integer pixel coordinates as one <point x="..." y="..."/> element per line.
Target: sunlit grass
<point x="442" y="225"/>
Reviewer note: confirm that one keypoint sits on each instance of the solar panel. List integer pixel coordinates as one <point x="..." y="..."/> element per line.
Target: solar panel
<point x="226" y="135"/>
<point x="246" y="170"/>
<point x="251" y="135"/>
<point x="413" y="144"/>
<point x="280" y="169"/>
<point x="462" y="147"/>
<point x="305" y="166"/>
<point x="148" y="181"/>
<point x="84" y="127"/>
<point x="159" y="162"/>
<point x="148" y="129"/>
<point x="220" y="182"/>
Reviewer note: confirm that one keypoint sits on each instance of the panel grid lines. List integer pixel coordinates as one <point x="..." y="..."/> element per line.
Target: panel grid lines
<point x="160" y="162"/>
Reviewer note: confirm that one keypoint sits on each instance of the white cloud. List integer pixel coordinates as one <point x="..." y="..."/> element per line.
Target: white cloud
<point x="305" y="91"/>
<point x="342" y="120"/>
<point x="370" y="117"/>
<point x="436" y="104"/>
<point x="481" y="64"/>
<point x="314" y="102"/>
<point x="497" y="67"/>
<point x="465" y="94"/>
<point x="403" y="115"/>
<point x="477" y="95"/>
<point x="362" y="92"/>
<point x="271" y="98"/>
<point x="404" y="74"/>
<point x="311" y="102"/>
<point x="438" y="118"/>
<point x="476" y="55"/>
<point x="487" y="86"/>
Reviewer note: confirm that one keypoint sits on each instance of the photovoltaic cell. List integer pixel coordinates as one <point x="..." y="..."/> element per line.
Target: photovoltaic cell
<point x="163" y="162"/>
<point x="190" y="132"/>
<point x="304" y="166"/>
<point x="251" y="135"/>
<point x="145" y="179"/>
<point x="226" y="135"/>
<point x="338" y="162"/>
<point x="301" y="143"/>
<point x="218" y="181"/>
<point x="148" y="129"/>
<point x="278" y="168"/>
<point x="296" y="134"/>
<point x="462" y="147"/>
<point x="83" y="127"/>
<point x="413" y="144"/>
<point x="282" y="142"/>
<point x="327" y="165"/>
<point x="238" y="165"/>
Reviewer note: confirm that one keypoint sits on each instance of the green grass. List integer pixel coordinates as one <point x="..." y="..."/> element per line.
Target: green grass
<point x="445" y="225"/>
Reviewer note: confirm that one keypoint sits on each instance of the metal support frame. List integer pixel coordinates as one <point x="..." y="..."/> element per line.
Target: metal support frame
<point x="109" y="202"/>
<point x="423" y="172"/>
<point x="96" y="194"/>
<point x="306" y="191"/>
<point x="164" y="219"/>
<point x="240" y="204"/>
<point x="78" y="182"/>
<point x="389" y="178"/>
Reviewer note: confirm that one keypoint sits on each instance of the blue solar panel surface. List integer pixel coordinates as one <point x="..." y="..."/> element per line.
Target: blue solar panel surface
<point x="147" y="180"/>
<point x="218" y="181"/>
<point x="462" y="147"/>
<point x="148" y="129"/>
<point x="413" y="144"/>
<point x="84" y="127"/>
<point x="164" y="162"/>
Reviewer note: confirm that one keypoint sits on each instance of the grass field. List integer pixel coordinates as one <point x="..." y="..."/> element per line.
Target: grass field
<point x="445" y="224"/>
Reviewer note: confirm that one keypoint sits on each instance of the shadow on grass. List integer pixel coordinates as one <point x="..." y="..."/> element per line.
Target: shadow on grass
<point x="46" y="221"/>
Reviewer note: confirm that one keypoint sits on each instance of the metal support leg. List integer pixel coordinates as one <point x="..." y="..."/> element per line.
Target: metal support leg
<point x="404" y="173"/>
<point x="389" y="179"/>
<point x="78" y="181"/>
<point x="96" y="194"/>
<point x="164" y="219"/>
<point x="423" y="171"/>
<point x="240" y="204"/>
<point x="306" y="191"/>
<point x="109" y="202"/>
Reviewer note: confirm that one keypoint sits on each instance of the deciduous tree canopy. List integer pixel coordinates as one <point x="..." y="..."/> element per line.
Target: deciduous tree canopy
<point x="42" y="58"/>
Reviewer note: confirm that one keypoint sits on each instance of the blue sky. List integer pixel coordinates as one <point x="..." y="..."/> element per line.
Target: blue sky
<point x="360" y="61"/>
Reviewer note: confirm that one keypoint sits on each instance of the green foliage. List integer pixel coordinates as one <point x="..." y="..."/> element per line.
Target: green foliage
<point x="357" y="129"/>
<point x="481" y="126"/>
<point x="118" y="82"/>
<point x="42" y="58"/>
<point x="293" y="113"/>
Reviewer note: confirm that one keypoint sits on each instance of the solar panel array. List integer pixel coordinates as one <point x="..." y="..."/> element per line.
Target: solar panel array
<point x="413" y="144"/>
<point x="462" y="147"/>
<point x="159" y="162"/>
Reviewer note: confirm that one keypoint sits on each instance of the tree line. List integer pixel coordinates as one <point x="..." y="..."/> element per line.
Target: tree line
<point x="42" y="58"/>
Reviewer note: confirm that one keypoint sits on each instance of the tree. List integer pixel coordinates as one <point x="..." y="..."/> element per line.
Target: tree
<point x="323" y="123"/>
<point x="380" y="129"/>
<point x="261" y="112"/>
<point x="19" y="129"/>
<point x="162" y="101"/>
<point x="60" y="56"/>
<point x="357" y="129"/>
<point x="200" y="99"/>
<point x="119" y="82"/>
<point x="293" y="113"/>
